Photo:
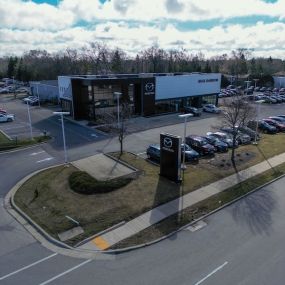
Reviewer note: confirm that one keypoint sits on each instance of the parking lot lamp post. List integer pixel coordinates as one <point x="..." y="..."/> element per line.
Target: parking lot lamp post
<point x="258" y="102"/>
<point x="185" y="116"/>
<point x="247" y="85"/>
<point x="30" y="121"/>
<point x="255" y="82"/>
<point x="63" y="133"/>
<point x="118" y="94"/>
<point x="38" y="94"/>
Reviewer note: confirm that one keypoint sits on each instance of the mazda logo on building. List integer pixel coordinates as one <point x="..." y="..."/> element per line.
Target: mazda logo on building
<point x="149" y="87"/>
<point x="167" y="142"/>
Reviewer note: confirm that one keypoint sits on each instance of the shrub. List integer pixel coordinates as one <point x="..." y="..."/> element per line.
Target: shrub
<point x="83" y="183"/>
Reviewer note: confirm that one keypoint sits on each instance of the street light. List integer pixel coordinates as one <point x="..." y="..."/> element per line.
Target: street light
<point x="255" y="81"/>
<point x="247" y="84"/>
<point x="185" y="116"/>
<point x="257" y="115"/>
<point x="30" y="121"/>
<point x="118" y="94"/>
<point x="63" y="133"/>
<point x="38" y="93"/>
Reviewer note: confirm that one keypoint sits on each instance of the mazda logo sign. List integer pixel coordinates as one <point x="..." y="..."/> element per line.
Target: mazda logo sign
<point x="167" y="142"/>
<point x="149" y="87"/>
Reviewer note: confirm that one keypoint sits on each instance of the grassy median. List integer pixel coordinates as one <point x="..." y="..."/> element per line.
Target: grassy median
<point x="48" y="199"/>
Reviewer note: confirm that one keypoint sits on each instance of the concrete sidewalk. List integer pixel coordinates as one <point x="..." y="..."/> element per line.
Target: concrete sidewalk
<point x="159" y="213"/>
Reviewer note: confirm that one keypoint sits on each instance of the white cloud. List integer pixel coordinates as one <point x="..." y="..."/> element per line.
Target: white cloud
<point x="28" y="15"/>
<point x="265" y="39"/>
<point x="149" y="10"/>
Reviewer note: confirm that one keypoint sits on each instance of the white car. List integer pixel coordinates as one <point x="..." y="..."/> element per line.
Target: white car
<point x="6" y="118"/>
<point x="211" y="108"/>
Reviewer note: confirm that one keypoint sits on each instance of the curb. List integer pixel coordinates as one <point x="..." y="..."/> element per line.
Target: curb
<point x="127" y="249"/>
<point x="38" y="233"/>
<point x="48" y="241"/>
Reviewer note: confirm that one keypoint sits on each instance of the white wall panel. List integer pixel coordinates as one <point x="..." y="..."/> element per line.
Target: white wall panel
<point x="168" y="87"/>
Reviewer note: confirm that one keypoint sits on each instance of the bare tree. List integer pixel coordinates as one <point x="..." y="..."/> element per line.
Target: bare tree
<point x="236" y="113"/>
<point x="125" y="114"/>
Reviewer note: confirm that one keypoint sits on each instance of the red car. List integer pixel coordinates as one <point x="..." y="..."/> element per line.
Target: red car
<point x="2" y="111"/>
<point x="278" y="125"/>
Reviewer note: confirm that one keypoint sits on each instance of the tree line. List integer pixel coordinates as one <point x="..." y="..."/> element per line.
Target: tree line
<point x="98" y="58"/>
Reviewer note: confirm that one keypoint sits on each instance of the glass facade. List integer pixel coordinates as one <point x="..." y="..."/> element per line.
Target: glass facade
<point x="177" y="104"/>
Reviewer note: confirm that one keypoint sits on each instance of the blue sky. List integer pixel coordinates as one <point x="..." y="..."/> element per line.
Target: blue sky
<point x="198" y="26"/>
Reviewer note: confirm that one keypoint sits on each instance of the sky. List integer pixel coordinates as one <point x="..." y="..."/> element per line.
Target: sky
<point x="213" y="27"/>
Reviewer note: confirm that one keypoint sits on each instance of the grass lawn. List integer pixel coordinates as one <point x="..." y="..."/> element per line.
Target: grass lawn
<point x="6" y="144"/>
<point x="47" y="198"/>
<point x="3" y="139"/>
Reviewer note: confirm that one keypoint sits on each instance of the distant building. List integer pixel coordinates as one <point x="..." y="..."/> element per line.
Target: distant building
<point x="279" y="81"/>
<point x="46" y="90"/>
<point x="84" y="96"/>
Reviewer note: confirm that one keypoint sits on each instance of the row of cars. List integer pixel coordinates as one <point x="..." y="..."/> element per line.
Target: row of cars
<point x="271" y="125"/>
<point x="12" y="89"/>
<point x="198" y="146"/>
<point x="270" y="99"/>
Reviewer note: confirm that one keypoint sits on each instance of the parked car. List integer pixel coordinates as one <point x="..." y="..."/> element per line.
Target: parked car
<point x="219" y="145"/>
<point x="278" y="119"/>
<point x="2" y="111"/>
<point x="199" y="144"/>
<point x="190" y="154"/>
<point x="224" y="138"/>
<point x="6" y="118"/>
<point x="279" y="126"/>
<point x="29" y="98"/>
<point x="240" y="137"/>
<point x="211" y="108"/>
<point x="153" y="152"/>
<point x="192" y="110"/>
<point x="252" y="133"/>
<point x="262" y="126"/>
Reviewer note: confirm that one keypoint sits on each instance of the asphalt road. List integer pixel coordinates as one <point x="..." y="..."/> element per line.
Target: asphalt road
<point x="241" y="244"/>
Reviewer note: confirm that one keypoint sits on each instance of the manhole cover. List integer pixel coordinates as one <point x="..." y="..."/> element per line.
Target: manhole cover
<point x="197" y="226"/>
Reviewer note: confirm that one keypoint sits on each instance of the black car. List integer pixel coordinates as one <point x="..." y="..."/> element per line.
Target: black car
<point x="262" y="126"/>
<point x="252" y="133"/>
<point x="192" y="110"/>
<point x="278" y="119"/>
<point x="201" y="145"/>
<point x="218" y="144"/>
<point x="242" y="138"/>
<point x="190" y="154"/>
<point x="153" y="152"/>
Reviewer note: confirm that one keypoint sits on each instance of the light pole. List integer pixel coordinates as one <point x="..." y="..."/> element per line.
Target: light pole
<point x="30" y="121"/>
<point x="255" y="81"/>
<point x="185" y="116"/>
<point x="63" y="133"/>
<point x="258" y="102"/>
<point x="118" y="94"/>
<point x="38" y="93"/>
<point x="247" y="84"/>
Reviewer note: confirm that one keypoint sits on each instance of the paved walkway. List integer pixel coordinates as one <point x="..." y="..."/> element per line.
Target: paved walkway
<point x="155" y="215"/>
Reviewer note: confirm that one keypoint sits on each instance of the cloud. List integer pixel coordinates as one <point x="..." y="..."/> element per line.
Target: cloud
<point x="265" y="39"/>
<point x="174" y="6"/>
<point x="28" y="15"/>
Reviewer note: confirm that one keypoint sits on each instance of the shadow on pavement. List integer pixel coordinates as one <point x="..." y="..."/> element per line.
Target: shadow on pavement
<point x="167" y="191"/>
<point x="255" y="211"/>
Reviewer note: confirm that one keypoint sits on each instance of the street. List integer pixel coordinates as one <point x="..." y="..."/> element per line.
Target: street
<point x="241" y="244"/>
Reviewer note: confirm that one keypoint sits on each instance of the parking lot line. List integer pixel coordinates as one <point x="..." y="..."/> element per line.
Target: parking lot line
<point x="28" y="266"/>
<point x="65" y="272"/>
<point x="46" y="159"/>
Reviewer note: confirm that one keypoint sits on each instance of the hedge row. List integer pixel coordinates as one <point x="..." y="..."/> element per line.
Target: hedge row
<point x="83" y="183"/>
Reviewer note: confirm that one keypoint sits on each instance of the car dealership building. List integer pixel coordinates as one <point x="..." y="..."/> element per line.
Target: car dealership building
<point x="86" y="96"/>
